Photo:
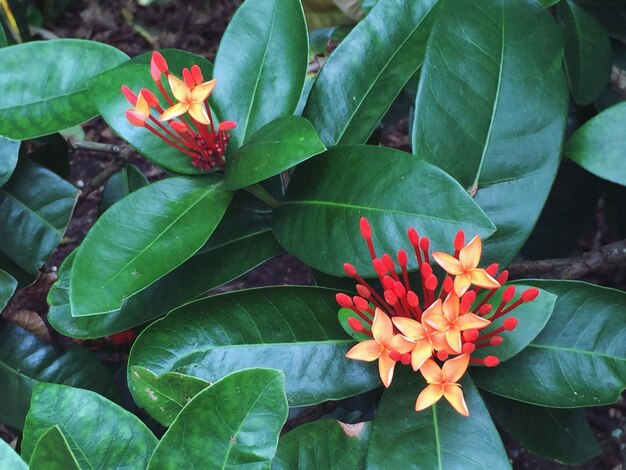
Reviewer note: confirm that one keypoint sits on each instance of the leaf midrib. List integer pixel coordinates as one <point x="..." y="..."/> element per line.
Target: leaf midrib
<point x="576" y="351"/>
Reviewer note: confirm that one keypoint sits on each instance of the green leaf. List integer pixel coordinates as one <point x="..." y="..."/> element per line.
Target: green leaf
<point x="53" y="452"/>
<point x="233" y="423"/>
<point x="319" y="219"/>
<point x="437" y="437"/>
<point x="610" y="13"/>
<point x="121" y="184"/>
<point x="549" y="433"/>
<point x="112" y="105"/>
<point x="26" y="360"/>
<point x="242" y="241"/>
<point x="163" y="224"/>
<point x="362" y="77"/>
<point x="549" y="3"/>
<point x="532" y="317"/>
<point x="35" y="207"/>
<point x="3" y="37"/>
<point x="163" y="397"/>
<point x="343" y="315"/>
<point x="274" y="148"/>
<point x="323" y="444"/>
<point x="9" y="459"/>
<point x="294" y="329"/>
<point x="55" y="95"/>
<point x="100" y="433"/>
<point x="579" y="359"/>
<point x="9" y="151"/>
<point x="23" y="278"/>
<point x="588" y="53"/>
<point x="599" y="145"/>
<point x="8" y="284"/>
<point x="491" y="110"/>
<point x="260" y="65"/>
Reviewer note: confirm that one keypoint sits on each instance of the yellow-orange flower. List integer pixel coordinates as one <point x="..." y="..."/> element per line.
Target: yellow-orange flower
<point x="442" y="383"/>
<point x="381" y="346"/>
<point x="465" y="268"/>
<point x="425" y="341"/>
<point x="141" y="113"/>
<point x="190" y="100"/>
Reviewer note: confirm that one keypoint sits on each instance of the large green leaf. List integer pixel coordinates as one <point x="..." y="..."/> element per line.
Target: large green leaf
<point x="235" y="423"/>
<point x="121" y="184"/>
<point x="23" y="278"/>
<point x="436" y="438"/>
<point x="163" y="225"/>
<point x="599" y="146"/>
<point x="8" y="284"/>
<point x="242" y="241"/>
<point x="362" y="77"/>
<point x="53" y="452"/>
<point x="9" y="151"/>
<point x="54" y="96"/>
<point x="491" y="110"/>
<point x="9" y="459"/>
<point x="323" y="444"/>
<point x="610" y="13"/>
<point x="294" y="329"/>
<point x="274" y="148"/>
<point x="26" y="360"/>
<point x="35" y="207"/>
<point x="579" y="359"/>
<point x="112" y="105"/>
<point x="588" y="54"/>
<point x="319" y="219"/>
<point x="100" y="433"/>
<point x="550" y="433"/>
<point x="260" y="65"/>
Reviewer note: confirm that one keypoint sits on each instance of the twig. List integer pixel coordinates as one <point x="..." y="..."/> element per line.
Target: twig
<point x="573" y="268"/>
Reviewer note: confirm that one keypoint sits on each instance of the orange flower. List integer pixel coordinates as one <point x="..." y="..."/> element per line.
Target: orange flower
<point x="425" y="340"/>
<point x="381" y="347"/>
<point x="445" y="317"/>
<point x="141" y="113"/>
<point x="442" y="382"/>
<point x="465" y="267"/>
<point x="190" y="100"/>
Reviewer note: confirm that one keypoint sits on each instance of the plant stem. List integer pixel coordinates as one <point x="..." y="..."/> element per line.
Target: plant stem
<point x="260" y="193"/>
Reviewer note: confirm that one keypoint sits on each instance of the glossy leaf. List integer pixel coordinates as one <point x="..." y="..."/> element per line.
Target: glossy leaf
<point x="26" y="360"/>
<point x="53" y="452"/>
<point x="579" y="359"/>
<point x="491" y="110"/>
<point x="325" y="443"/>
<point x="242" y="241"/>
<point x="588" y="54"/>
<point x="437" y="437"/>
<point x="260" y="65"/>
<point x="599" y="146"/>
<point x="294" y="329"/>
<point x="112" y="105"/>
<point x="34" y="216"/>
<point x="549" y="3"/>
<point x="362" y="77"/>
<point x="163" y="397"/>
<point x="9" y="151"/>
<point x="562" y="435"/>
<point x="54" y="97"/>
<point x="7" y="287"/>
<point x="163" y="224"/>
<point x="23" y="278"/>
<point x="100" y="433"/>
<point x="121" y="184"/>
<point x="274" y="148"/>
<point x="9" y="459"/>
<point x="319" y="219"/>
<point x="233" y="423"/>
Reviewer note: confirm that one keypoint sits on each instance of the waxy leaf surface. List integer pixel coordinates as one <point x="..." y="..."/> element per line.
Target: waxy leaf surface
<point x="9" y="459"/>
<point x="318" y="220"/>
<point x="100" y="433"/>
<point x="294" y="329"/>
<point x="260" y="65"/>
<point x="52" y="94"/>
<point x="53" y="452"/>
<point x="362" y="77"/>
<point x="26" y="360"/>
<point x="9" y="151"/>
<point x="35" y="207"/>
<point x="162" y="226"/>
<point x="579" y="359"/>
<point x="121" y="184"/>
<point x="274" y="148"/>
<point x="491" y="110"/>
<point x="8" y="284"/>
<point x="234" y="423"/>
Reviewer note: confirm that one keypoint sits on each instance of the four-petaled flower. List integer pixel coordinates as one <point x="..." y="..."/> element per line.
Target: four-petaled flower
<point x="190" y="99"/>
<point x="426" y="341"/>
<point x="442" y="383"/>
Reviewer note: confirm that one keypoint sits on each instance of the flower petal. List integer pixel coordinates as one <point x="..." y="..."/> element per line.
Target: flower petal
<point x="180" y="91"/>
<point x="368" y="350"/>
<point x="453" y="369"/>
<point x="142" y="105"/>
<point x="481" y="278"/>
<point x="470" y="321"/>
<point x="198" y="112"/>
<point x="448" y="263"/>
<point x="469" y="256"/>
<point x="454" y="395"/>
<point x="201" y="92"/>
<point x="382" y="328"/>
<point x="174" y="111"/>
<point x="451" y="307"/>
<point x="422" y="351"/>
<point x="136" y="118"/>
<point x="461" y="284"/>
<point x="429" y="396"/>
<point x="386" y="365"/>
<point x="401" y="343"/>
<point x="409" y="327"/>
<point x="436" y="321"/>
<point x="431" y="372"/>
<point x="453" y="338"/>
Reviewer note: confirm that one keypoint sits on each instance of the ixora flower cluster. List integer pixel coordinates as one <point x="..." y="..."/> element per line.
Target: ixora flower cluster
<point x="442" y="327"/>
<point x="190" y="127"/>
